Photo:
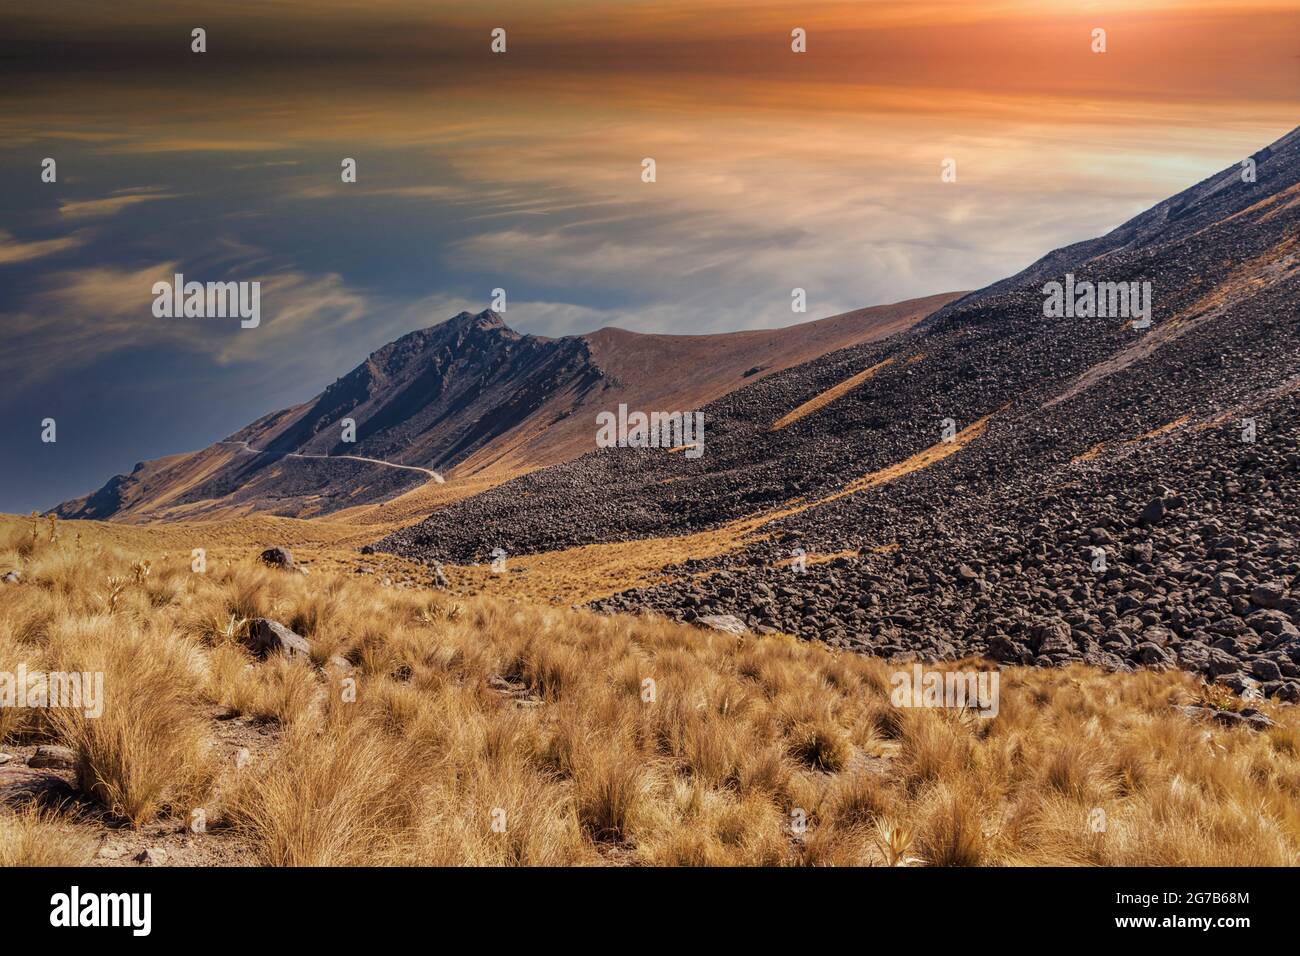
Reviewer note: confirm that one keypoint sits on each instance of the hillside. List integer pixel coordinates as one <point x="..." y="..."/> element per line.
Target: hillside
<point x="467" y="712"/>
<point x="470" y="399"/>
<point x="1064" y="435"/>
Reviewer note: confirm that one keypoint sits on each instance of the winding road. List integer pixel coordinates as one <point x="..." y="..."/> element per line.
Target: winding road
<point x="371" y="461"/>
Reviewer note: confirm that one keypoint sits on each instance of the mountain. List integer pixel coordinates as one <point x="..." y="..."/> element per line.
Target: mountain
<point x="1001" y="479"/>
<point x="469" y="397"/>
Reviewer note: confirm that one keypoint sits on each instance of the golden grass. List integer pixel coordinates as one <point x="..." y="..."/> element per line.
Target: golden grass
<point x="923" y="459"/>
<point x="835" y="392"/>
<point x="35" y="838"/>
<point x="480" y="731"/>
<point x="1091" y="454"/>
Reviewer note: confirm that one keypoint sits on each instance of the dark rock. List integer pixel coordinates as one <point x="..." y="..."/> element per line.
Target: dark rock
<point x="267" y="637"/>
<point x="1251" y="719"/>
<point x="1052" y="640"/>
<point x="1268" y="596"/>
<point x="1152" y="655"/>
<point x="277" y="557"/>
<point x="50" y="756"/>
<point x="1002" y="648"/>
<point x="1265" y="670"/>
<point x="1153" y="513"/>
<point x="1288" y="693"/>
<point x="23" y="786"/>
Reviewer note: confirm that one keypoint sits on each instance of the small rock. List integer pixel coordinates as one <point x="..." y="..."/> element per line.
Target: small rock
<point x="278" y="557"/>
<point x="1225" y="584"/>
<point x="1158" y="635"/>
<point x="10" y="577"/>
<point x="1152" y="655"/>
<point x="1002" y="648"/>
<point x="151" y="857"/>
<point x="22" y="785"/>
<point x="1265" y="670"/>
<point x="1240" y="683"/>
<point x="1267" y="595"/>
<point x="723" y="622"/>
<point x="1153" y="513"/>
<point x="1053" y="639"/>
<point x="1288" y="693"/>
<point x="339" y="665"/>
<point x="1250" y="718"/>
<point x="267" y="637"/>
<point x="51" y="757"/>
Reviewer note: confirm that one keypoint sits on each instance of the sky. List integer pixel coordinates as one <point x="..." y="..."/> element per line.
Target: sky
<point x="522" y="170"/>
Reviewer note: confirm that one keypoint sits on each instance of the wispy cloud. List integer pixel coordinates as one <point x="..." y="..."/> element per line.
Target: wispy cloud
<point x="341" y="190"/>
<point x="113" y="203"/>
<point x="270" y="163"/>
<point x="103" y="310"/>
<point x="194" y="144"/>
<point x="15" y="250"/>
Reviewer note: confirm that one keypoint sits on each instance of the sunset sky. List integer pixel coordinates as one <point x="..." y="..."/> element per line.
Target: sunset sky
<point x="523" y="171"/>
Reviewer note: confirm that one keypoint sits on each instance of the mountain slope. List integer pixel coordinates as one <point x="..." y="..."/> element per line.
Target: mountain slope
<point x="1070" y="434"/>
<point x="469" y="397"/>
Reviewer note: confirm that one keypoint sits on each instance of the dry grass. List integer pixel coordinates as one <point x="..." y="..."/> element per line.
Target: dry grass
<point x="147" y="752"/>
<point x="35" y="838"/>
<point x="834" y="393"/>
<point x="480" y="731"/>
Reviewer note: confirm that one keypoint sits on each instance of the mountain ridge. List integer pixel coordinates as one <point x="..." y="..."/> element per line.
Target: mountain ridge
<point x="470" y="397"/>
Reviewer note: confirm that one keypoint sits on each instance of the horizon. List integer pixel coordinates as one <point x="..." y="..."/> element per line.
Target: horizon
<point x="522" y="171"/>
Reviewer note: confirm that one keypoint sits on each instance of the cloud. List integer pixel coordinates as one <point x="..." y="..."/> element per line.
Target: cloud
<point x="300" y="313"/>
<point x="112" y="204"/>
<point x="15" y="250"/>
<point x="341" y="190"/>
<point x="268" y="164"/>
<point x="83" y="315"/>
<point x="192" y="144"/>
